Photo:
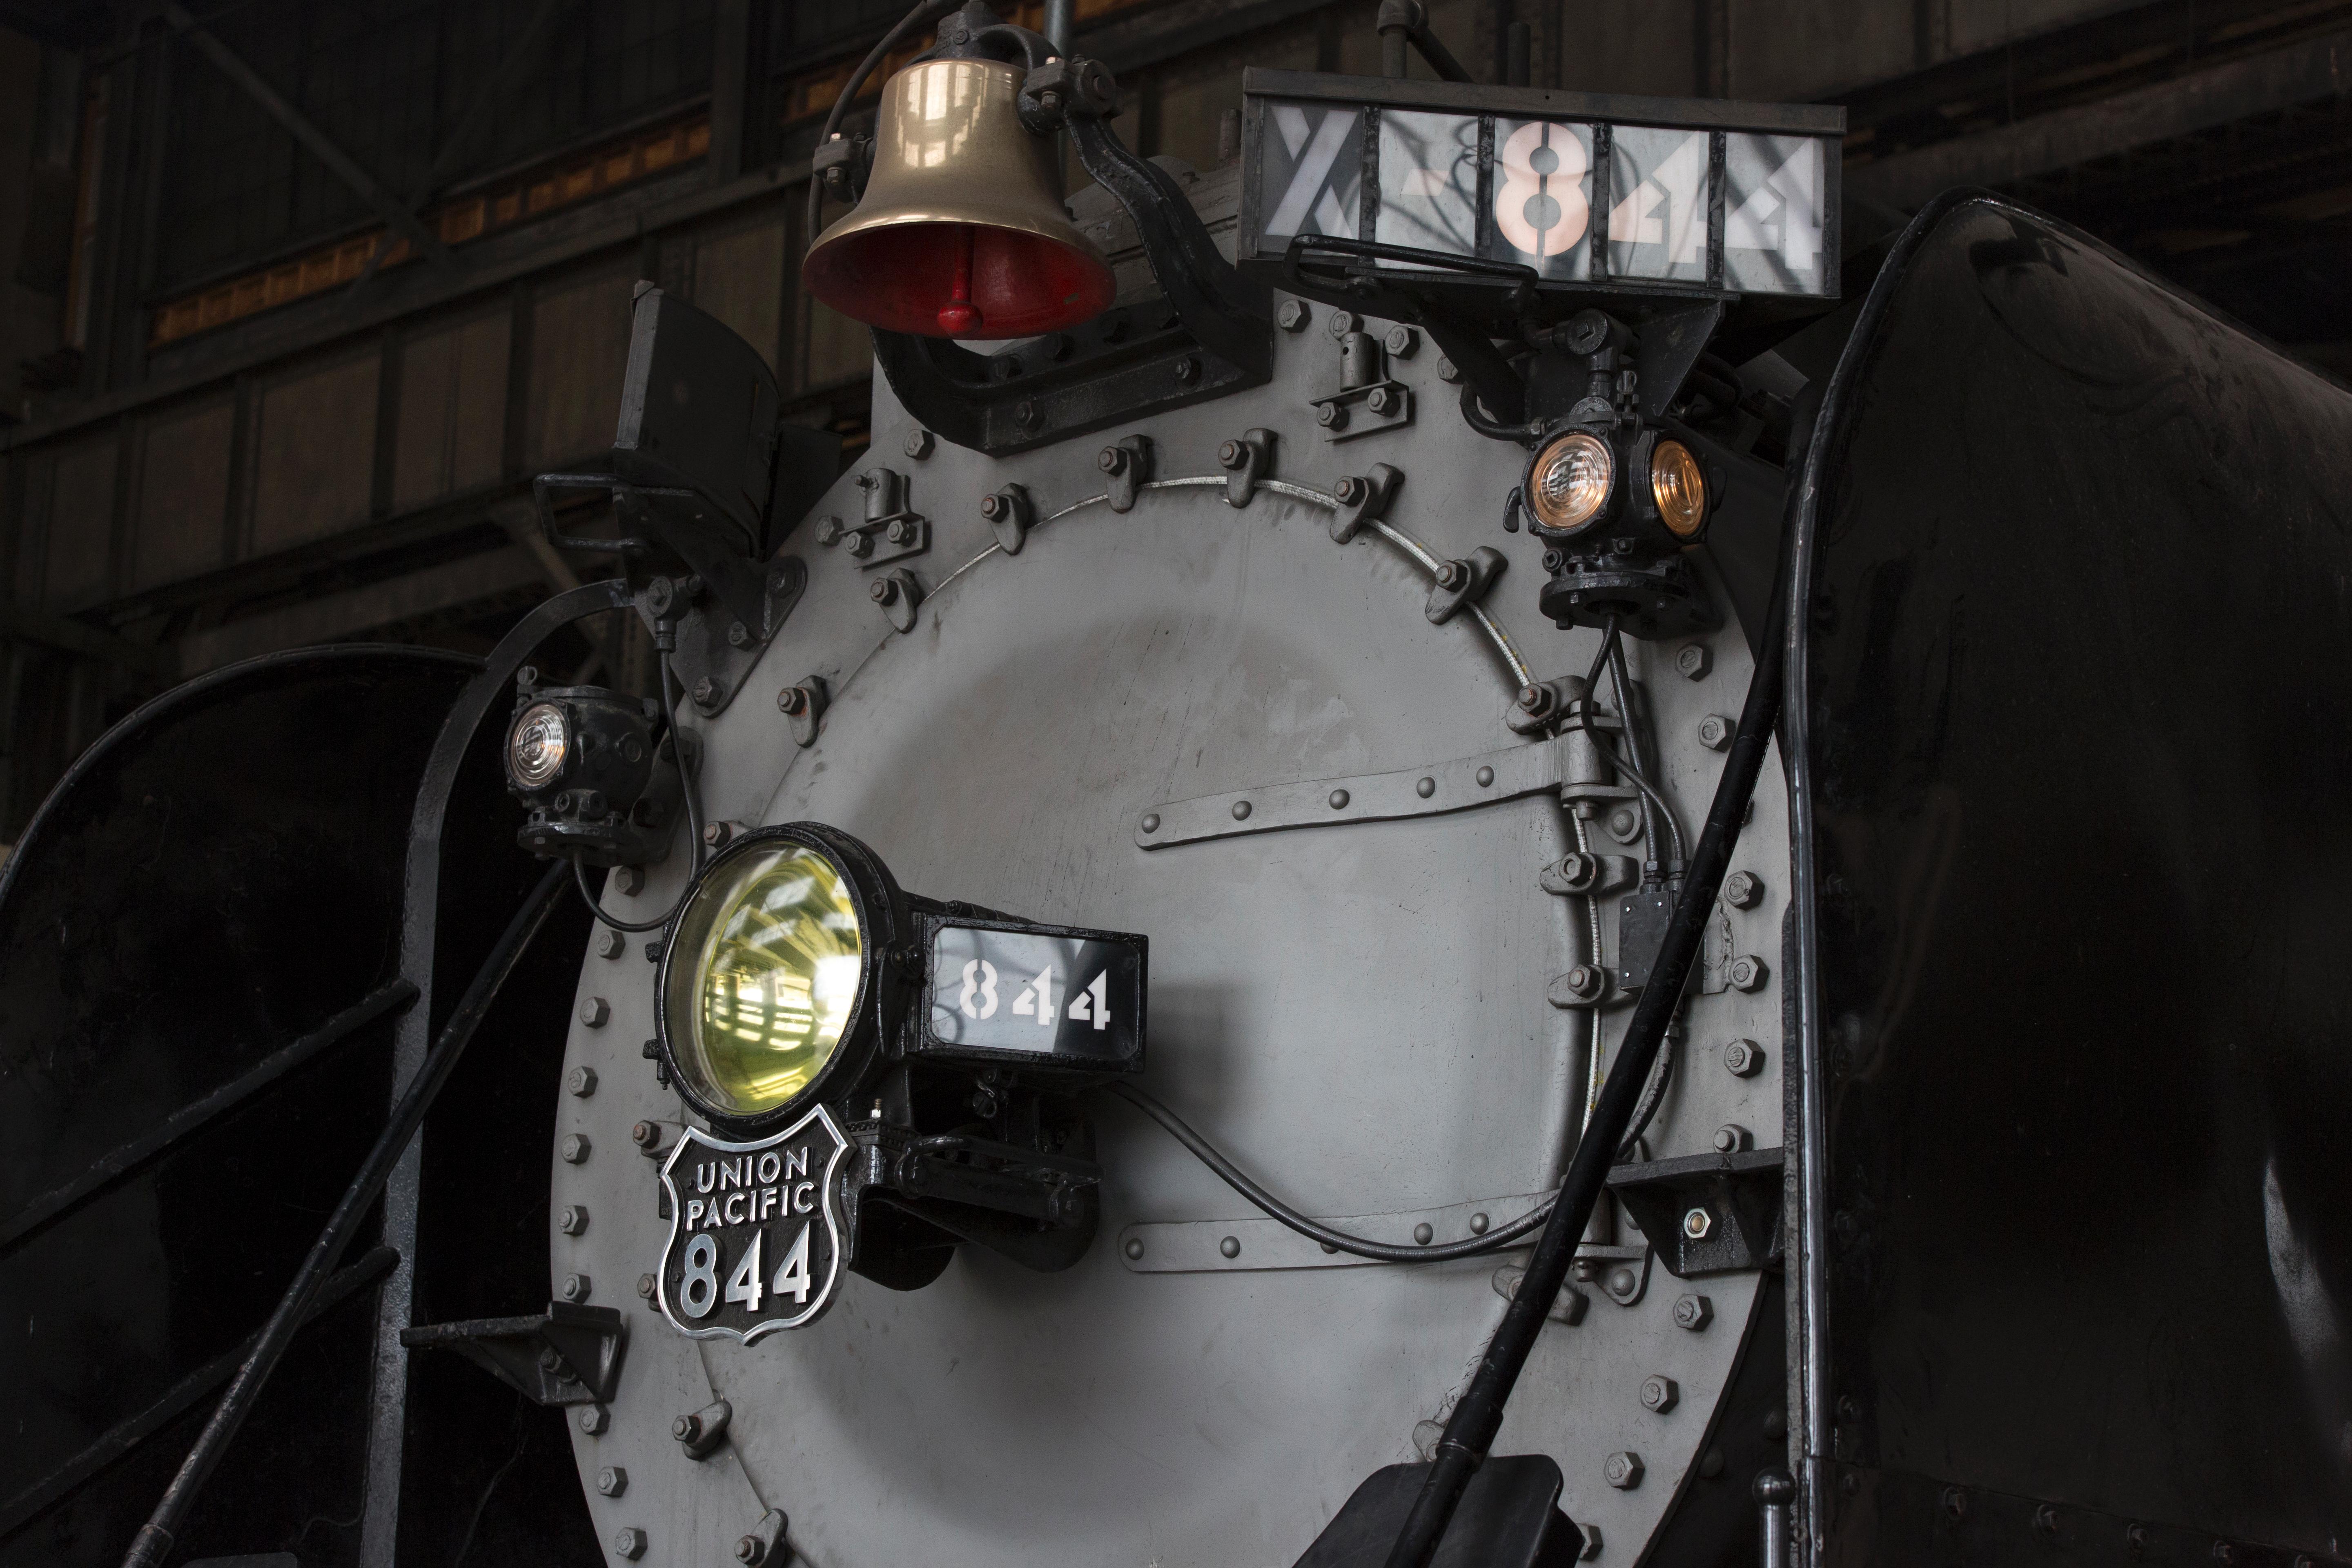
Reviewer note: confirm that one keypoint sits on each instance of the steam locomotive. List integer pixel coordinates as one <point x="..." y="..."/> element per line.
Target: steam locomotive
<point x="1497" y="839"/>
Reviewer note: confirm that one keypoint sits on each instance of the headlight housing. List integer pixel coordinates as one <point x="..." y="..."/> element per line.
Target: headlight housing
<point x="1570" y="482"/>
<point x="768" y="973"/>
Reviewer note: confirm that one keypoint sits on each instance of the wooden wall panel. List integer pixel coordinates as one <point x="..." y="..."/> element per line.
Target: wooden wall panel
<point x="78" y="535"/>
<point x="739" y="279"/>
<point x="313" y="454"/>
<point x="453" y="400"/>
<point x="579" y="349"/>
<point x="180" y="526"/>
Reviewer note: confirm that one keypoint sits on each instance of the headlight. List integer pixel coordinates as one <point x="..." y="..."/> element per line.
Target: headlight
<point x="536" y="745"/>
<point x="1568" y="483"/>
<point x="1680" y="487"/>
<point x="761" y="977"/>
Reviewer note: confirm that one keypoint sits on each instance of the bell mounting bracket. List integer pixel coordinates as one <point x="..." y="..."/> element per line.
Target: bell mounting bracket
<point x="1210" y="333"/>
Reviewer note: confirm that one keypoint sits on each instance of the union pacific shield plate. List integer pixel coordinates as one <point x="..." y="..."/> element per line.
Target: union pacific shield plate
<point x="755" y="1230"/>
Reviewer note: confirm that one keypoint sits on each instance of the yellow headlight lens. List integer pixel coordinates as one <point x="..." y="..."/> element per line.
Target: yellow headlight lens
<point x="762" y="1006"/>
<point x="1680" y="487"/>
<point x="1571" y="481"/>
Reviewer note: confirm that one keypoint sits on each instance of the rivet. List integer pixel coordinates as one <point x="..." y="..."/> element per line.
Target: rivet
<point x="1241" y="810"/>
<point x="1425" y="788"/>
<point x="1134" y="1247"/>
<point x="1150" y="822"/>
<point x="1230" y="1247"/>
<point x="1478" y="1224"/>
<point x="1339" y="800"/>
<point x="1327" y="1247"/>
<point x="1486" y="777"/>
<point x="1423" y="1233"/>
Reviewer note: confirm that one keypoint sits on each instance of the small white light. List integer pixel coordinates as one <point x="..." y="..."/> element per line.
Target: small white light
<point x="536" y="746"/>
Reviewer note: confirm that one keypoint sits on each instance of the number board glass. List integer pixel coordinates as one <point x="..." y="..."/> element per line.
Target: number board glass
<point x="1599" y="202"/>
<point x="1077" y="998"/>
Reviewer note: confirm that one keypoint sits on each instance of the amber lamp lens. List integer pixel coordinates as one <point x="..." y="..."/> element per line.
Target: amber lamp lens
<point x="1571" y="479"/>
<point x="1680" y="488"/>
<point x="777" y="956"/>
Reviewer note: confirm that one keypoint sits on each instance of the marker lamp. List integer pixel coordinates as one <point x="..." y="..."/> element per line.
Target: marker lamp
<point x="537" y="744"/>
<point x="1568" y="483"/>
<point x="1679" y="487"/>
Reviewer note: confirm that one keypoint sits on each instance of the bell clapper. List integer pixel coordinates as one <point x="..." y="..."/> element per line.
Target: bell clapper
<point x="958" y="317"/>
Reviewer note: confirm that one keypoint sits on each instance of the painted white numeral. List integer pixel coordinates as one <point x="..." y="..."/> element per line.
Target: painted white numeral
<point x="743" y="1285"/>
<point x="1666" y="209"/>
<point x="1036" y="998"/>
<point x="1092" y="1005"/>
<point x="1541" y="206"/>
<point x="792" y="1279"/>
<point x="698" y="1290"/>
<point x="983" y="986"/>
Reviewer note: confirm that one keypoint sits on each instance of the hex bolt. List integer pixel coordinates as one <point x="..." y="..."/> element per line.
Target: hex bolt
<point x="626" y="879"/>
<point x="646" y="1135"/>
<point x="572" y="1219"/>
<point x="1743" y="890"/>
<point x="609" y="943"/>
<point x="715" y="835"/>
<point x="1349" y="490"/>
<point x="581" y="1083"/>
<point x="1449" y="373"/>
<point x="706" y="693"/>
<point x="737" y="634"/>
<point x="751" y="1549"/>
<point x="829" y="531"/>
<point x="1402" y="341"/>
<point x="612" y="1480"/>
<point x="1293" y="316"/>
<point x="1659" y="1393"/>
<point x="1025" y="412"/>
<point x="860" y="545"/>
<point x="575" y="1148"/>
<point x="1381" y="401"/>
<point x="1731" y="1138"/>
<point x="1188" y="371"/>
<point x="1715" y="732"/>
<point x="1345" y="322"/>
<point x="595" y="1011"/>
<point x="593" y="1419"/>
<point x="1112" y="459"/>
<point x="1693" y="659"/>
<point x="1693" y="1312"/>
<point x="575" y="1288"/>
<point x="902" y="532"/>
<point x="1697" y="1222"/>
<point x="883" y="591"/>
<point x="918" y="444"/>
<point x="629" y="1544"/>
<point x="792" y="701"/>
<point x="1743" y="1058"/>
<point x="1331" y="416"/>
<point x="1586" y="981"/>
<point x="645" y="1285"/>
<point x="1622" y="1470"/>
<point x="1747" y="973"/>
<point x="1232" y="455"/>
<point x="1451" y="574"/>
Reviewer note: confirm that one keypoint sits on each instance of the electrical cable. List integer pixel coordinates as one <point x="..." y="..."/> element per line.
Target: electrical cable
<point x="1649" y="792"/>
<point x="913" y="19"/>
<point x="1654" y="1094"/>
<point x="690" y="786"/>
<point x="1637" y="745"/>
<point x="1314" y="1230"/>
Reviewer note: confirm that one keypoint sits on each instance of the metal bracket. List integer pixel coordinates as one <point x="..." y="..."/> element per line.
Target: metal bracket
<point x="1567" y="1307"/>
<point x="1362" y="500"/>
<point x="700" y="1433"/>
<point x="1364" y="410"/>
<point x="1243" y="1245"/>
<point x="1706" y="1214"/>
<point x="565" y="1355"/>
<point x="1464" y="582"/>
<point x="898" y="596"/>
<point x="1127" y="464"/>
<point x="760" y="1549"/>
<point x="1246" y="461"/>
<point x="1428" y="791"/>
<point x="890" y="531"/>
<point x="1579" y="873"/>
<point x="805" y="704"/>
<point x="716" y="651"/>
<point x="1011" y="515"/>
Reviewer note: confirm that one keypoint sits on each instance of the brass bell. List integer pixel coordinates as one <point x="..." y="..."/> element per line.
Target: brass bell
<point x="961" y="233"/>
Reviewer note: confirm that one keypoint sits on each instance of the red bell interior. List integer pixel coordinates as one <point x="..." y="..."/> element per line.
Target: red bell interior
<point x="903" y="277"/>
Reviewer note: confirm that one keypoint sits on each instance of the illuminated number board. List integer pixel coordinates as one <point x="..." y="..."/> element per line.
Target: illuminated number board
<point x="1060" y="997"/>
<point x="1589" y="191"/>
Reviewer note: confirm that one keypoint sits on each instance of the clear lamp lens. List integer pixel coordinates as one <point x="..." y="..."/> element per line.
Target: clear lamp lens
<point x="1680" y="487"/>
<point x="535" y="749"/>
<point x="777" y="958"/>
<point x="1572" y="481"/>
